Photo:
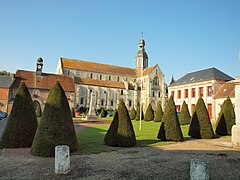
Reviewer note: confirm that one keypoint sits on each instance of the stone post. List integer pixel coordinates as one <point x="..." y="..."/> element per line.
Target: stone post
<point x="198" y="170"/>
<point x="62" y="159"/>
<point x="236" y="128"/>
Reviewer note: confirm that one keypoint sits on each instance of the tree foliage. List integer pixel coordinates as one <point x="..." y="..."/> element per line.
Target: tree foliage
<point x="56" y="125"/>
<point x="22" y="122"/>
<point x="200" y="126"/>
<point x="149" y="115"/>
<point x="226" y="118"/>
<point x="159" y="113"/>
<point x="121" y="132"/>
<point x="170" y="129"/>
<point x="185" y="116"/>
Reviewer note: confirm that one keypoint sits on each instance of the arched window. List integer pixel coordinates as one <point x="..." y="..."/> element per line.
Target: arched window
<point x="155" y="81"/>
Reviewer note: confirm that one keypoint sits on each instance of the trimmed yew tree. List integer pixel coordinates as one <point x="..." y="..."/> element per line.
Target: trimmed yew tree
<point x="149" y="115"/>
<point x="22" y="122"/>
<point x="138" y="113"/>
<point x="159" y="113"/>
<point x="56" y="125"/>
<point x="226" y="118"/>
<point x="185" y="116"/>
<point x="121" y="132"/>
<point x="103" y="113"/>
<point x="170" y="129"/>
<point x="110" y="138"/>
<point x="200" y="126"/>
<point x="132" y="113"/>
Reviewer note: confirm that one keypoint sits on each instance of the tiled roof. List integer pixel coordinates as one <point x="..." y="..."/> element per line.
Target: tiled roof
<point x="96" y="82"/>
<point x="226" y="90"/>
<point x="202" y="75"/>
<point x="6" y="81"/>
<point x="97" y="67"/>
<point x="45" y="81"/>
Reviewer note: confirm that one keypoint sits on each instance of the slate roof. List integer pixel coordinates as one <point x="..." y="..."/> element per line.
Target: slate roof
<point x="6" y="81"/>
<point x="226" y="90"/>
<point x="202" y="75"/>
<point x="103" y="68"/>
<point x="45" y="81"/>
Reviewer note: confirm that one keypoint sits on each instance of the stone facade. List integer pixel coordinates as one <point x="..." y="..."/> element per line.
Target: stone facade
<point x="105" y="84"/>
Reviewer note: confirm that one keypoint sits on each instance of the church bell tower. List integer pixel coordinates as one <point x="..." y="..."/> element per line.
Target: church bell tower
<point x="141" y="59"/>
<point x="39" y="66"/>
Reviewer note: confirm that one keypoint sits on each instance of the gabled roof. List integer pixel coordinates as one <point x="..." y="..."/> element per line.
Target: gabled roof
<point x="226" y="90"/>
<point x="6" y="81"/>
<point x="45" y="81"/>
<point x="97" y="67"/>
<point x="202" y="75"/>
<point x="96" y="82"/>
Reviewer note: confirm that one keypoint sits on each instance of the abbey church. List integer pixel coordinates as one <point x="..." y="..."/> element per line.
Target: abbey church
<point x="102" y="85"/>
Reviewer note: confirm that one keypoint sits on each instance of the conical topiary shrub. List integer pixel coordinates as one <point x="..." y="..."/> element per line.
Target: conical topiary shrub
<point x="103" y="113"/>
<point x="200" y="126"/>
<point x="149" y="115"/>
<point x="121" y="132"/>
<point x="56" y="125"/>
<point x="138" y="113"/>
<point x="184" y="117"/>
<point x="170" y="129"/>
<point x="226" y="118"/>
<point x="159" y="113"/>
<point x="22" y="122"/>
<point x="111" y="135"/>
<point x="132" y="113"/>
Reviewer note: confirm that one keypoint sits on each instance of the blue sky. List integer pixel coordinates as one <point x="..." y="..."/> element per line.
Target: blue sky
<point x="181" y="36"/>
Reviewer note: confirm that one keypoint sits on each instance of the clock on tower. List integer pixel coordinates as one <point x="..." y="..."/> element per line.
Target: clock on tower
<point x="39" y="66"/>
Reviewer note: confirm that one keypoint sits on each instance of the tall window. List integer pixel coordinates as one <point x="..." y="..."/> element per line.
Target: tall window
<point x="159" y="94"/>
<point x="100" y="77"/>
<point x="118" y="78"/>
<point x="102" y="102"/>
<point x="186" y="93"/>
<point x="153" y="93"/>
<point x="155" y="81"/>
<point x="193" y="92"/>
<point x="179" y="94"/>
<point x="109" y="78"/>
<point x="81" y="100"/>
<point x="172" y="93"/>
<point x="91" y="75"/>
<point x="121" y="92"/>
<point x="130" y="103"/>
<point x="111" y="102"/>
<point x="200" y="91"/>
<point x="209" y="91"/>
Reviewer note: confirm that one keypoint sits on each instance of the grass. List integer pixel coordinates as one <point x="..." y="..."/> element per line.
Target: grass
<point x="90" y="139"/>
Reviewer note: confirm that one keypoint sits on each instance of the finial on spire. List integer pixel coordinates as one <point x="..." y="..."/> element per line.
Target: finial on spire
<point x="141" y="35"/>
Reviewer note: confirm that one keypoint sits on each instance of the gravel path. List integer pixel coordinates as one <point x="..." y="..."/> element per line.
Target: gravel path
<point x="165" y="162"/>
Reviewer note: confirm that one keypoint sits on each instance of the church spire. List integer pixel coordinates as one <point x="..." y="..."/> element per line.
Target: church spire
<point x="141" y="59"/>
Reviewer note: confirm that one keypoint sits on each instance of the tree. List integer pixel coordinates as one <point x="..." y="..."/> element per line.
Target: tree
<point x="22" y="122"/>
<point x="56" y="125"/>
<point x="184" y="117"/>
<point x="149" y="115"/>
<point x="138" y="113"/>
<point x="226" y="118"/>
<point x="170" y="129"/>
<point x="200" y="126"/>
<point x="132" y="113"/>
<point x="159" y="113"/>
<point x="103" y="113"/>
<point x="121" y="132"/>
<point x="110" y="138"/>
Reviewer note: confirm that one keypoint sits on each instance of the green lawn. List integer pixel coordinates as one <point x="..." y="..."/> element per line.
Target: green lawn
<point x="90" y="139"/>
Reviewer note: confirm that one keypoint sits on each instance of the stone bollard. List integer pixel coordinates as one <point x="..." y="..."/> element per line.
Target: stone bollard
<point x="62" y="159"/>
<point x="198" y="170"/>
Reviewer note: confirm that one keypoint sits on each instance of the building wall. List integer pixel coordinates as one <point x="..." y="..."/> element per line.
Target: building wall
<point x="179" y="95"/>
<point x="4" y="94"/>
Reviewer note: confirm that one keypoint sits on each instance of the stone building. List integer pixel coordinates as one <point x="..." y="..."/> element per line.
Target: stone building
<point x="204" y="83"/>
<point x="39" y="84"/>
<point x="104" y="84"/>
